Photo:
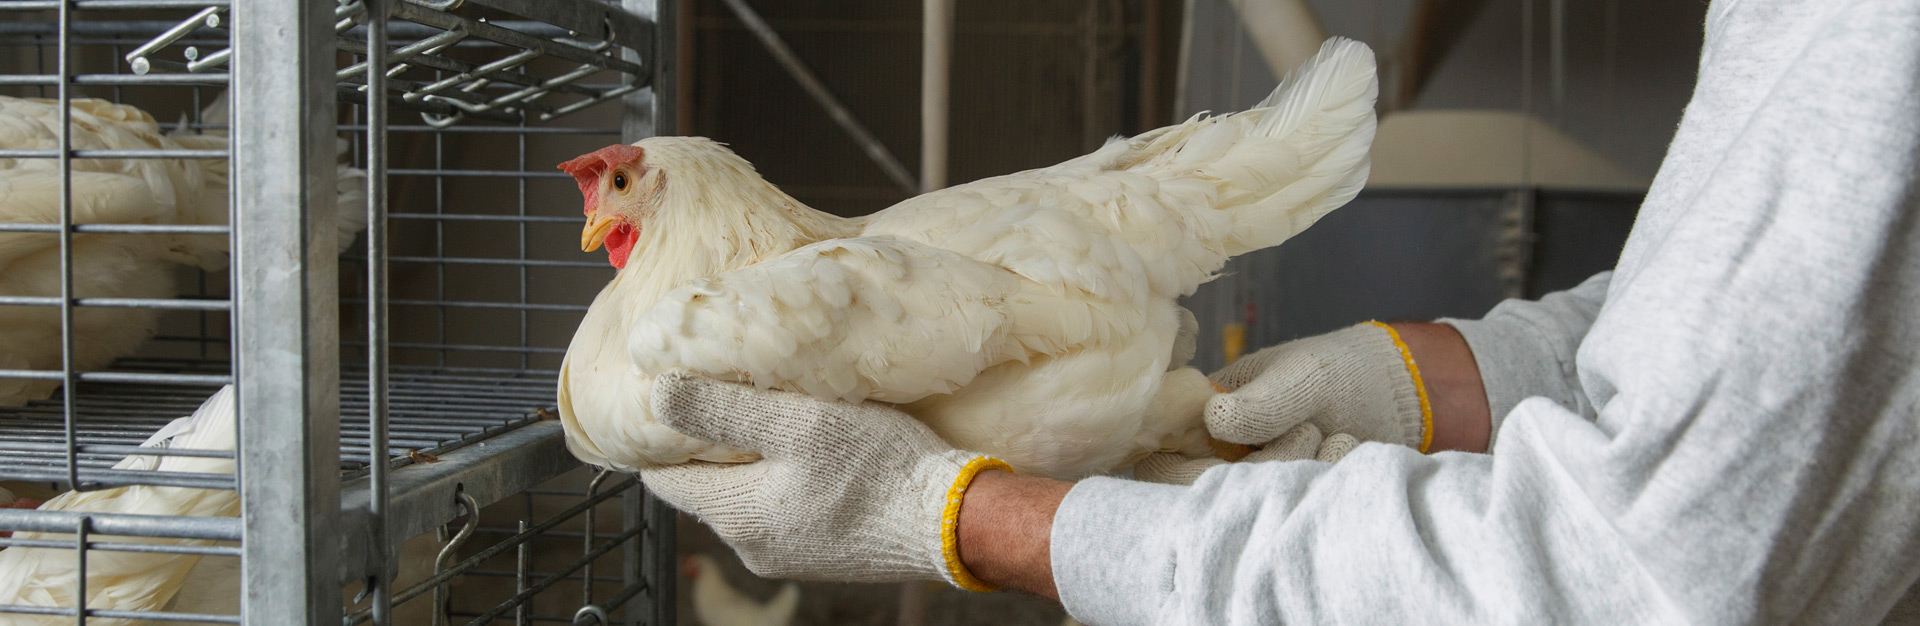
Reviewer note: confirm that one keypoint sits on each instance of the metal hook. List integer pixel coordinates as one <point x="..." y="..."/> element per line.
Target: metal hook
<point x="586" y="547"/>
<point x="446" y="553"/>
<point x="599" y="615"/>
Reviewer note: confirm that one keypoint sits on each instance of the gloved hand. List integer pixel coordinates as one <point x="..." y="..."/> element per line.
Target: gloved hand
<point x="1301" y="443"/>
<point x="1361" y="381"/>
<point x="843" y="492"/>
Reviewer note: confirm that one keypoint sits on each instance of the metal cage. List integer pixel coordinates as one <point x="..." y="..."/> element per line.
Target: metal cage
<point x="401" y="389"/>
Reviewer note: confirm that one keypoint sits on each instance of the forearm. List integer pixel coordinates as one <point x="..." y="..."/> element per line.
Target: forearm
<point x="1006" y="521"/>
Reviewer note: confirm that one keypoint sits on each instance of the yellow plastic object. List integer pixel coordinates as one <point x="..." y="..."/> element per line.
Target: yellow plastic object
<point x="1233" y="342"/>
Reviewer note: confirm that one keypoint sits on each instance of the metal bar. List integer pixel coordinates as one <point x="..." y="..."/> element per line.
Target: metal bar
<point x="875" y="150"/>
<point x="464" y="347"/>
<point x="522" y="244"/>
<point x="658" y="562"/>
<point x="124" y="229"/>
<point x="611" y="94"/>
<point x="64" y="100"/>
<point x="217" y="59"/>
<point x="108" y="478"/>
<point x="139" y="303"/>
<point x="173" y="153"/>
<point x="120" y="450"/>
<point x="170" y="35"/>
<point x="523" y="559"/>
<point x="130" y="615"/>
<point x="119" y="377"/>
<point x="478" y="173"/>
<point x="94" y="5"/>
<point x="516" y="130"/>
<point x="467" y="217"/>
<point x="380" y="580"/>
<point x="465" y="304"/>
<point x="79" y="528"/>
<point x="477" y="261"/>
<point x="117" y="79"/>
<point x="632" y="573"/>
<point x="122" y="524"/>
<point x="285" y="319"/>
<point x="109" y="546"/>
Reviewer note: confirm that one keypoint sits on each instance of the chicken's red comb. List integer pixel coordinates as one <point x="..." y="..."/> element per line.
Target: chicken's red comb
<point x="587" y="168"/>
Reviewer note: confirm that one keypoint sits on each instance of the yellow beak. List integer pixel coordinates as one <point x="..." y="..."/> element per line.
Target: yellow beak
<point x="595" y="231"/>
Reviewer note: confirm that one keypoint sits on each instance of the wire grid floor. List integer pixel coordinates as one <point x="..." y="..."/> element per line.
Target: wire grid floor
<point x="432" y="411"/>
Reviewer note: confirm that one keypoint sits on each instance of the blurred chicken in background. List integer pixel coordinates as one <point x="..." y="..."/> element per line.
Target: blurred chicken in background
<point x="111" y="191"/>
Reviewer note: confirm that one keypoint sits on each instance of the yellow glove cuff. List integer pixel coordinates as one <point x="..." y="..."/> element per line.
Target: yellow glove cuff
<point x="950" y="522"/>
<point x="1419" y="387"/>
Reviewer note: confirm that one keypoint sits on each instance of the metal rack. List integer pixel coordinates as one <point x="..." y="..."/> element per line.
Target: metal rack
<point x="369" y="416"/>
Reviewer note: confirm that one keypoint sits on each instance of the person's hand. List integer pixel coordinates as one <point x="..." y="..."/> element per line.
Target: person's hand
<point x="843" y="492"/>
<point x="1361" y="381"/>
<point x="1303" y="442"/>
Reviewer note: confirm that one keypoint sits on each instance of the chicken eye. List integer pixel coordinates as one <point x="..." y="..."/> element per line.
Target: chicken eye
<point x="620" y="181"/>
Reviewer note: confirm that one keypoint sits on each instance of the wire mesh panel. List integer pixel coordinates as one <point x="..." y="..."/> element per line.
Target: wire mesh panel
<point x="344" y="211"/>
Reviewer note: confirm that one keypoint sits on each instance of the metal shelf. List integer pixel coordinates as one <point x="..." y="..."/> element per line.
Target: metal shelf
<point x="513" y="80"/>
<point x="434" y="411"/>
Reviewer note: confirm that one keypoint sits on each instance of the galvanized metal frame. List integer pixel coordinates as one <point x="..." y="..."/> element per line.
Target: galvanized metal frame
<point x="285" y="350"/>
<point x="286" y="338"/>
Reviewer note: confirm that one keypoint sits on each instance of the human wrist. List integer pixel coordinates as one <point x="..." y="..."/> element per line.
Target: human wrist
<point x="1004" y="530"/>
<point x="1460" y="419"/>
<point x="953" y="568"/>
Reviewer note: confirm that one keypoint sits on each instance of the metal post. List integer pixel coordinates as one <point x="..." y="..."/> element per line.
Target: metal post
<point x="936" y="65"/>
<point x="65" y="163"/>
<point x="647" y="113"/>
<point x="286" y="330"/>
<point x="381" y="575"/>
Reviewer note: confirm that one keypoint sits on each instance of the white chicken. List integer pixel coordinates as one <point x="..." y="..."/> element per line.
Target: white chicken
<point x="110" y="191"/>
<point x="137" y="581"/>
<point x="1030" y="316"/>
<point x="716" y="603"/>
<point x="129" y="581"/>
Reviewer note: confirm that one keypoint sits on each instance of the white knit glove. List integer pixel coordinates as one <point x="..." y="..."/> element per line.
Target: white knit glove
<point x="843" y="492"/>
<point x="1360" y="381"/>
<point x="1303" y="442"/>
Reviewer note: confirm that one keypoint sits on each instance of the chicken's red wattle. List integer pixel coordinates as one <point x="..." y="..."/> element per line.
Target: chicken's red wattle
<point x="619" y="243"/>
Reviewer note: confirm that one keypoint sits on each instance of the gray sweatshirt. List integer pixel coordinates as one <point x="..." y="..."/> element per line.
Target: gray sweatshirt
<point x="1728" y="435"/>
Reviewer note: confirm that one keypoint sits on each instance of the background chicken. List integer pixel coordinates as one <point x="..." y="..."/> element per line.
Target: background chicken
<point x="131" y="581"/>
<point x="1030" y="316"/>
<point x="717" y="603"/>
<point x="110" y="191"/>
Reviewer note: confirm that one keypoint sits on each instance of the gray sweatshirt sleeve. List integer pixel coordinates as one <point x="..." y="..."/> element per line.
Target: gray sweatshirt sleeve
<point x="1525" y="348"/>
<point x="1754" y="451"/>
